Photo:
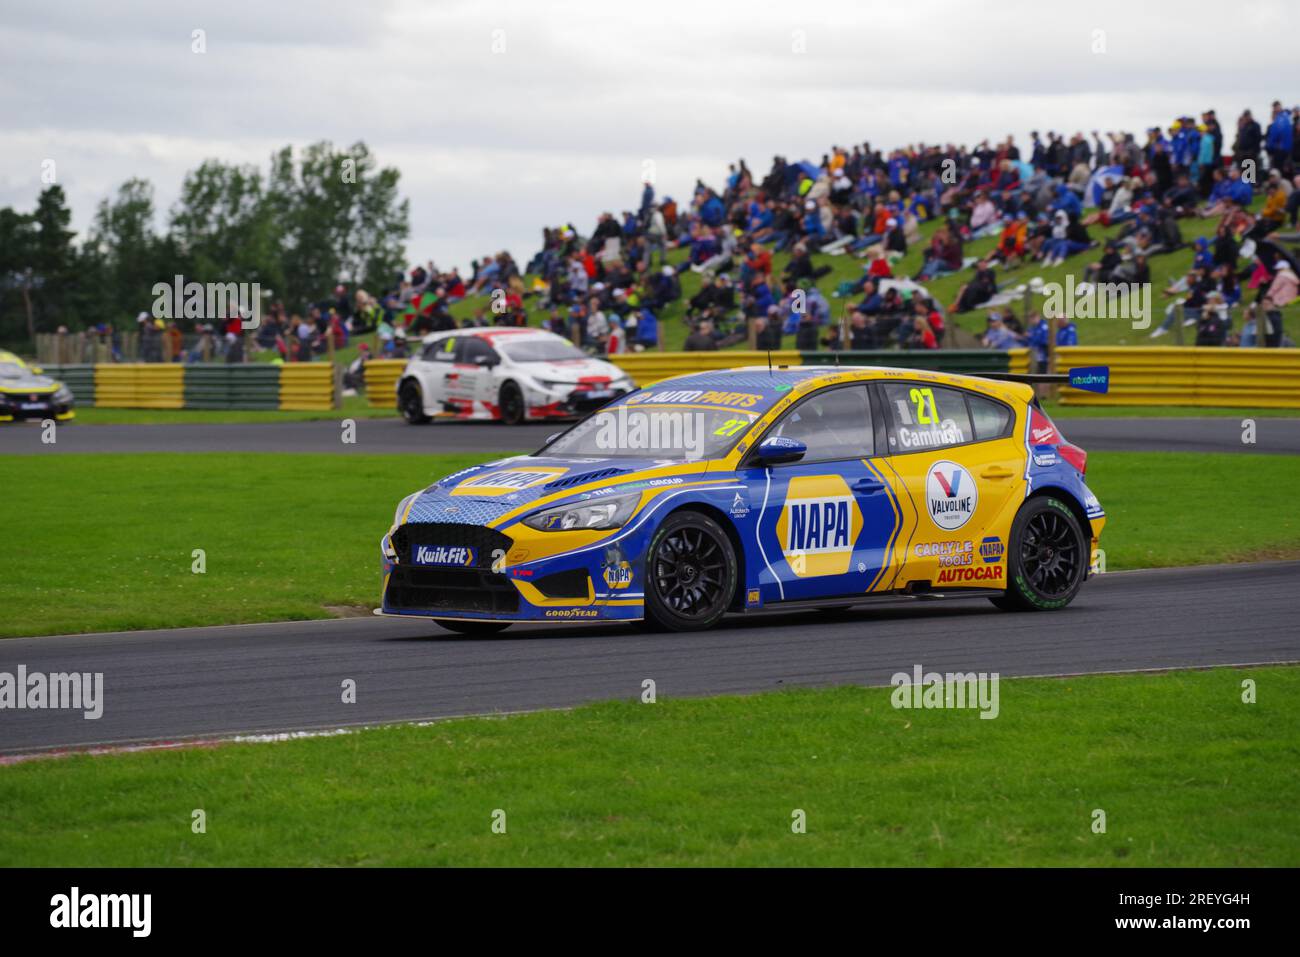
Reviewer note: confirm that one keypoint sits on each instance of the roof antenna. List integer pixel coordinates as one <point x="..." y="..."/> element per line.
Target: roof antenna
<point x="769" y="360"/>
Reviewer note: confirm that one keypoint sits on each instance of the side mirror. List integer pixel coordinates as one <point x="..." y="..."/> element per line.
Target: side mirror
<point x="484" y="361"/>
<point x="37" y="370"/>
<point x="552" y="437"/>
<point x="779" y="450"/>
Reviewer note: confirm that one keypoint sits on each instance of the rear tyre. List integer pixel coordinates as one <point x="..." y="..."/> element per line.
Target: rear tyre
<point x="479" y="629"/>
<point x="511" y="402"/>
<point x="690" y="573"/>
<point x="1047" y="557"/>
<point x="410" y="402"/>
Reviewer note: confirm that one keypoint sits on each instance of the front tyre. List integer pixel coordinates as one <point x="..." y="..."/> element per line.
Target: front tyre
<point x="511" y="402"/>
<point x="1047" y="557"/>
<point x="410" y="402"/>
<point x="690" y="573"/>
<point x="476" y="629"/>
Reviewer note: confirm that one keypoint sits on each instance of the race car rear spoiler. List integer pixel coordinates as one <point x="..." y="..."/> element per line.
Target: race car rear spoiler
<point x="1087" y="378"/>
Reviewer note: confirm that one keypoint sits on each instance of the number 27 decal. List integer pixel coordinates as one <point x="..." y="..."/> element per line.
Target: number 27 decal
<point x="924" y="398"/>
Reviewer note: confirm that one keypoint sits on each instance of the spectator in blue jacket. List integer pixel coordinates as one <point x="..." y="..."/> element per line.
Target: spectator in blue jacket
<point x="1067" y="334"/>
<point x="1280" y="136"/>
<point x="1067" y="202"/>
<point x="1036" y="339"/>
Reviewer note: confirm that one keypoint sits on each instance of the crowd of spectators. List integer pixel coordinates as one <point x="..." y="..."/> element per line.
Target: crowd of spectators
<point x="608" y="290"/>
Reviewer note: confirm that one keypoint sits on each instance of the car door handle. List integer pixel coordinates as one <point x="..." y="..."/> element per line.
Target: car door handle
<point x="868" y="486"/>
<point x="996" y="472"/>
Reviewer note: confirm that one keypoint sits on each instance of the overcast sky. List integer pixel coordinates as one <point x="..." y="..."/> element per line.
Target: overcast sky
<point x="559" y="120"/>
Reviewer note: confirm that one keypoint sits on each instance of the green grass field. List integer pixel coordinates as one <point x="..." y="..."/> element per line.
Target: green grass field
<point x="107" y="540"/>
<point x="354" y="407"/>
<point x="1184" y="771"/>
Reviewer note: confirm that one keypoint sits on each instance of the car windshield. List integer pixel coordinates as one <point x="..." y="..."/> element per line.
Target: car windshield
<point x="11" y="370"/>
<point x="675" y="424"/>
<point x="542" y="350"/>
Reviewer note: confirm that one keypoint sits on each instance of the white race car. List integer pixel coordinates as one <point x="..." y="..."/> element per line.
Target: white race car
<point x="510" y="374"/>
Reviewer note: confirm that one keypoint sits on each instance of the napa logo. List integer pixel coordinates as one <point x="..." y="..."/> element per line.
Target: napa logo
<point x="819" y="524"/>
<point x="504" y="481"/>
<point x="442" y="555"/>
<point x="618" y="576"/>
<point x="992" y="549"/>
<point x="951" y="495"/>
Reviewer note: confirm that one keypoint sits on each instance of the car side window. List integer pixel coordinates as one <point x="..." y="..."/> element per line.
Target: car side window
<point x="473" y="349"/>
<point x="835" y="424"/>
<point x="924" y="417"/>
<point x="444" y="350"/>
<point x="991" y="420"/>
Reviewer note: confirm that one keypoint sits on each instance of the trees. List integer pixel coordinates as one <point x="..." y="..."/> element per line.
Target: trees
<point x="312" y="220"/>
<point x="342" y="219"/>
<point x="326" y="216"/>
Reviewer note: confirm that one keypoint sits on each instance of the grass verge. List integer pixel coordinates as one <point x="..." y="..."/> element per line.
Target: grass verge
<point x="105" y="542"/>
<point x="354" y="407"/>
<point x="1186" y="773"/>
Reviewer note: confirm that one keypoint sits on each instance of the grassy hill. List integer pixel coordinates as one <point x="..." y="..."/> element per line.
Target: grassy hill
<point x="1165" y="269"/>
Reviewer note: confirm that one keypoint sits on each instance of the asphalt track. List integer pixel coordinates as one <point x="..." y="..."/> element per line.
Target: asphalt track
<point x="391" y="435"/>
<point x="216" y="682"/>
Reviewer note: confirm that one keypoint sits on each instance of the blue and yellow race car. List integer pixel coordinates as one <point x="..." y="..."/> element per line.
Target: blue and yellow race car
<point x="25" y="393"/>
<point x="746" y="489"/>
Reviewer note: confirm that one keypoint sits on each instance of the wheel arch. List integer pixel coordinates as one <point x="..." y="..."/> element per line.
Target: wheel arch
<point x="737" y="602"/>
<point x="1071" y="500"/>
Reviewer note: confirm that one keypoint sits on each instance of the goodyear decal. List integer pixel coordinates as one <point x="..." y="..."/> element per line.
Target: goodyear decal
<point x="571" y="613"/>
<point x="504" y="481"/>
<point x="819" y="524"/>
<point x="951" y="495"/>
<point x="442" y="555"/>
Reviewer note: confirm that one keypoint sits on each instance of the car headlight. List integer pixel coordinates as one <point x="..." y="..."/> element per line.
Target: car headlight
<point x="63" y="395"/>
<point x="553" y="386"/>
<point x="612" y="512"/>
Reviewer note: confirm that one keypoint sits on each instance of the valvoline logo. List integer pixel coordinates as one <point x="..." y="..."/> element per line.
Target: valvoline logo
<point x="460" y="555"/>
<point x="951" y="495"/>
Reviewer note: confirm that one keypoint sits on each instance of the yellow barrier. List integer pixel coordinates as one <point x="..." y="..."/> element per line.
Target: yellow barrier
<point x="140" y="386"/>
<point x="307" y="386"/>
<point x="1018" y="360"/>
<point x="381" y="382"/>
<point x="647" y="368"/>
<point x="1185" y="375"/>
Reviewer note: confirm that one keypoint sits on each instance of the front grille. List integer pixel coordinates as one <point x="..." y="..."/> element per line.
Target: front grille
<point x="579" y="402"/>
<point x="445" y="587"/>
<point x="486" y="542"/>
<point x="421" y="588"/>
